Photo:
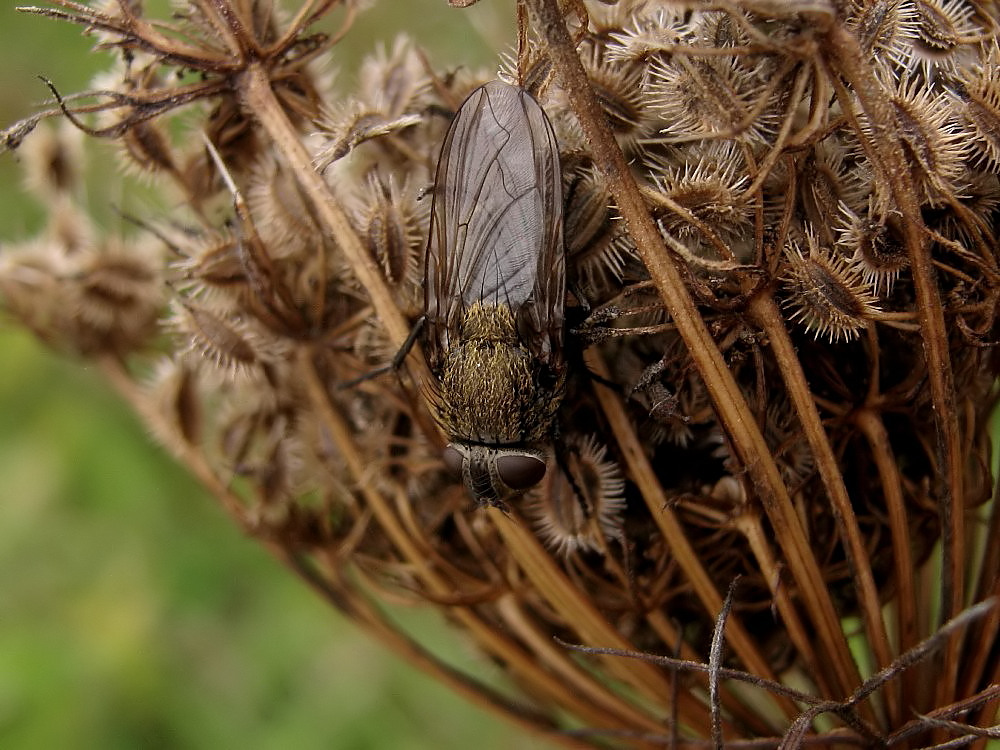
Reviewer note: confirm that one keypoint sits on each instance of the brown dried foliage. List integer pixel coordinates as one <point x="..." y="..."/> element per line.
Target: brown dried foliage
<point x="781" y="233"/>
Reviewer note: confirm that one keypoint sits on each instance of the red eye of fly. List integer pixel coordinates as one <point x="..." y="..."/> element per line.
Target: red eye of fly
<point x="453" y="461"/>
<point x="520" y="472"/>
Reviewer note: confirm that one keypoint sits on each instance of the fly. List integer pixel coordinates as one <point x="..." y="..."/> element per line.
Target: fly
<point x="495" y="283"/>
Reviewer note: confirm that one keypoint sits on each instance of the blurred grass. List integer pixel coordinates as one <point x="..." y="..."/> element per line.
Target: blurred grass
<point x="132" y="613"/>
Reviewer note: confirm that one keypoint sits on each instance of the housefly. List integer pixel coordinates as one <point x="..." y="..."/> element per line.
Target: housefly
<point x="495" y="282"/>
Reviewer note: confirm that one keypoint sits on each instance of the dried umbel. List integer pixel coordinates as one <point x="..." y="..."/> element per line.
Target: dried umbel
<point x="771" y="460"/>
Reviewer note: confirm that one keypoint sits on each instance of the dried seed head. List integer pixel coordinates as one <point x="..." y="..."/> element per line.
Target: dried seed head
<point x="647" y="36"/>
<point x="874" y="247"/>
<point x="886" y="31"/>
<point x="598" y="249"/>
<point x="945" y="30"/>
<point x="583" y="513"/>
<point x="223" y="342"/>
<point x="52" y="161"/>
<point x="287" y="444"/>
<point x="708" y="182"/>
<point x="827" y="294"/>
<point x="391" y="223"/>
<point x="979" y="105"/>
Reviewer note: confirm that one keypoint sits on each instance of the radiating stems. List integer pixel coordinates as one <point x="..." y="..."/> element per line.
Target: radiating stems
<point x="767" y="314"/>
<point x="844" y="56"/>
<point x="729" y="402"/>
<point x="670" y="526"/>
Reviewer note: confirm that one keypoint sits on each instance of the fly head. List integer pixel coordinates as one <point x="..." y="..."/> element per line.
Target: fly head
<point x="495" y="474"/>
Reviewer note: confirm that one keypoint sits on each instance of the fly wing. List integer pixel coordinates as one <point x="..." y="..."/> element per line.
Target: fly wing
<point x="496" y="221"/>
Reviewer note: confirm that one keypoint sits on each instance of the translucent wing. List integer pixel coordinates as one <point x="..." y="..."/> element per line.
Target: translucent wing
<point x="496" y="221"/>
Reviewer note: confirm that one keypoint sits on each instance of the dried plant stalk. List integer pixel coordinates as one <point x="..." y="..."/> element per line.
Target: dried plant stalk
<point x="780" y="236"/>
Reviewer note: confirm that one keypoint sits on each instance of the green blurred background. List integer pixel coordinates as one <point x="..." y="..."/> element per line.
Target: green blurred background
<point x="132" y="613"/>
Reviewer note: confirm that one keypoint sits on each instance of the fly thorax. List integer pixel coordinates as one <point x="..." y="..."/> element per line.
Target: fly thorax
<point x="489" y="323"/>
<point x="488" y="391"/>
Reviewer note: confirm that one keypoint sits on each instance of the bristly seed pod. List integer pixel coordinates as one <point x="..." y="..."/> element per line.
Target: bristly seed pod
<point x="597" y="248"/>
<point x="886" y="30"/>
<point x="943" y="26"/>
<point x="980" y="106"/>
<point x="495" y="283"/>
<point x="389" y="220"/>
<point x="648" y="36"/>
<point x="172" y="388"/>
<point x="875" y="248"/>
<point x="932" y="142"/>
<point x="618" y="88"/>
<point x="230" y="343"/>
<point x="827" y="183"/>
<point x="53" y="161"/>
<point x="828" y="295"/>
<point x="115" y="297"/>
<point x="708" y="184"/>
<point x="585" y="514"/>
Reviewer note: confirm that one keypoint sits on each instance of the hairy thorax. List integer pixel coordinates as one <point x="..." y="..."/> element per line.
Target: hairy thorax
<point x="489" y="392"/>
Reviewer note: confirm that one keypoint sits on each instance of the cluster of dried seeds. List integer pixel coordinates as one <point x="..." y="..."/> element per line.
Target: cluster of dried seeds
<point x="825" y="212"/>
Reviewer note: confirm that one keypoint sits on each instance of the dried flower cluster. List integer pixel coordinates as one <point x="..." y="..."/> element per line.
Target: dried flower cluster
<point x="782" y="347"/>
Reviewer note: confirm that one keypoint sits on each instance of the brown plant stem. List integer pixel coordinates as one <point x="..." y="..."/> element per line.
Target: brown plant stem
<point x="750" y="525"/>
<point x="540" y="641"/>
<point x="732" y="408"/>
<point x="672" y="530"/>
<point x="844" y="57"/>
<point x="766" y="313"/>
<point x="583" y="617"/>
<point x="908" y="633"/>
<point x="260" y="102"/>
<point x="982" y="660"/>
<point x="566" y="694"/>
<point x="330" y="585"/>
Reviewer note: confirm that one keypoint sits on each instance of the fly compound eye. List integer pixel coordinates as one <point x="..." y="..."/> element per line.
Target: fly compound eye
<point x="520" y="472"/>
<point x="453" y="460"/>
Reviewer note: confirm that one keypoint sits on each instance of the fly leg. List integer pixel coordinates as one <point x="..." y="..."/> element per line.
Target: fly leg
<point x="397" y="359"/>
